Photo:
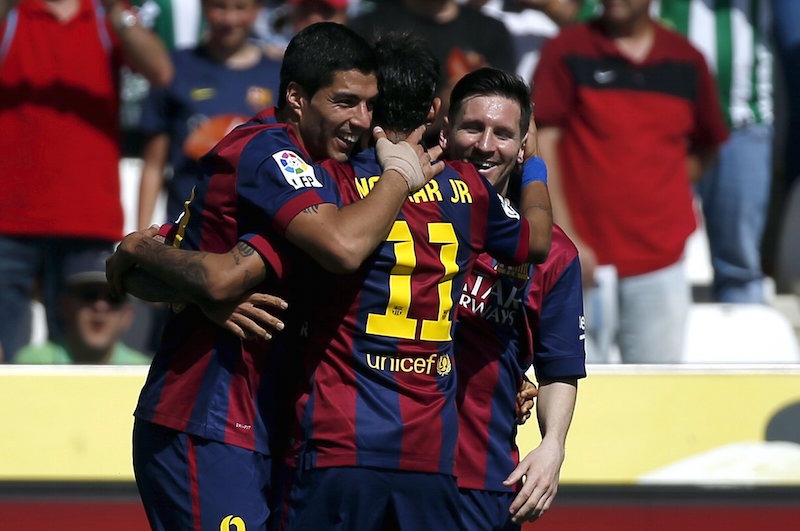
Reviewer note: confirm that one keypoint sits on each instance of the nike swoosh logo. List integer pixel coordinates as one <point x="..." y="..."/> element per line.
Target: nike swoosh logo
<point x="604" y="76"/>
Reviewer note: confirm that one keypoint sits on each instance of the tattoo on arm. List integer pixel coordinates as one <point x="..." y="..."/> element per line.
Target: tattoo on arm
<point x="313" y="209"/>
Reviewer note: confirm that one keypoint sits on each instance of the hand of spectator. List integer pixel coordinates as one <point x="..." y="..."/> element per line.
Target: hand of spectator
<point x="408" y="158"/>
<point x="540" y="470"/>
<point x="124" y="258"/>
<point x="247" y="317"/>
<point x="525" y="400"/>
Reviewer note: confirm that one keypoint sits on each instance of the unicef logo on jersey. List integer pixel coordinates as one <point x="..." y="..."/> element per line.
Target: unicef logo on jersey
<point x="295" y="170"/>
<point x="444" y="365"/>
<point x="508" y="208"/>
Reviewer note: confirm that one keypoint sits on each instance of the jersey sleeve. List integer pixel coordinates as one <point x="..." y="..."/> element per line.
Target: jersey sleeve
<point x="272" y="253"/>
<point x="281" y="184"/>
<point x="558" y="327"/>
<point x="507" y="233"/>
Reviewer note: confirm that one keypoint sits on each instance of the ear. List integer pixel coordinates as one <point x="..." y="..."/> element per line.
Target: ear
<point x="521" y="152"/>
<point x="436" y="106"/>
<point x="444" y="133"/>
<point x="296" y="98"/>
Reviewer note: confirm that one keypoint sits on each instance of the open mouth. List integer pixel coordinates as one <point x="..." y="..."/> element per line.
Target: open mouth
<point x="482" y="165"/>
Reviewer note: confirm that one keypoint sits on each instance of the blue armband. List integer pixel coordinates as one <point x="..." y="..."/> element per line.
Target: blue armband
<point x="533" y="170"/>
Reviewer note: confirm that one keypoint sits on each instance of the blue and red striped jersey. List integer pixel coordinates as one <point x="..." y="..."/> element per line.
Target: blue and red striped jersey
<point x="508" y="317"/>
<point x="379" y="387"/>
<point x="204" y="380"/>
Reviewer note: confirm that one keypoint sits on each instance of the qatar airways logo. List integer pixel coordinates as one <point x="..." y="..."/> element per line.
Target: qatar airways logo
<point x="498" y="302"/>
<point x="439" y="364"/>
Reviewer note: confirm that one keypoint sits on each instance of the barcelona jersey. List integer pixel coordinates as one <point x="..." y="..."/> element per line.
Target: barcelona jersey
<point x="204" y="380"/>
<point x="508" y="318"/>
<point x="379" y="382"/>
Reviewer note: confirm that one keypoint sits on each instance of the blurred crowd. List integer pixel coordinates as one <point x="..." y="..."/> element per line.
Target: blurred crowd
<point x="647" y="130"/>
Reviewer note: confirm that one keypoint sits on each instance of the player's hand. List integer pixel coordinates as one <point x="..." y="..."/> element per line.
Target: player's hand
<point x="408" y="158"/>
<point x="525" y="400"/>
<point x="540" y="470"/>
<point x="124" y="258"/>
<point x="247" y="317"/>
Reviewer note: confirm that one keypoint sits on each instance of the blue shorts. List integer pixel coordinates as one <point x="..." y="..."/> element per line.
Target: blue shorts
<point x="191" y="483"/>
<point x="486" y="510"/>
<point x="368" y="499"/>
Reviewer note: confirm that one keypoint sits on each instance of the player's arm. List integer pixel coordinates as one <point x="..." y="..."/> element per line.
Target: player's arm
<point x="542" y="466"/>
<point x="535" y="197"/>
<point x="161" y="273"/>
<point x="191" y="276"/>
<point x="340" y="239"/>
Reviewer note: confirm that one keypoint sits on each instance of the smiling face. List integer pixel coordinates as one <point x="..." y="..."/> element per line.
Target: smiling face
<point x="486" y="133"/>
<point x="332" y="122"/>
<point x="229" y="22"/>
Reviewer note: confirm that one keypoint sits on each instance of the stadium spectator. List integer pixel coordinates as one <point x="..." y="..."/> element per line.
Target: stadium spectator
<point x="531" y="24"/>
<point x="93" y="319"/>
<point x="507" y="318"/>
<point x="258" y="185"/>
<point x="735" y="190"/>
<point x="628" y="118"/>
<point x="277" y="24"/>
<point x="59" y="194"/>
<point x="218" y="85"/>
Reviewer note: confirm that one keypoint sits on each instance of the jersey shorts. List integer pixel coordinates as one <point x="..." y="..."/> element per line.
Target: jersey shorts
<point x="190" y="483"/>
<point x="486" y="510"/>
<point x="369" y="499"/>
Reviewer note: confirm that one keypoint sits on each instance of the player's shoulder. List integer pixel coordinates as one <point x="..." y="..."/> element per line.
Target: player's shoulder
<point x="562" y="253"/>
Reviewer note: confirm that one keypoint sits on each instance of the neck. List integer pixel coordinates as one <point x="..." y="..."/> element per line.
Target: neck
<point x="63" y="9"/>
<point x="83" y="354"/>
<point x="244" y="56"/>
<point x="634" y="39"/>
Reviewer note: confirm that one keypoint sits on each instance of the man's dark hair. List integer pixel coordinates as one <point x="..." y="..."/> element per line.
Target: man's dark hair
<point x="493" y="82"/>
<point x="317" y="52"/>
<point x="408" y="74"/>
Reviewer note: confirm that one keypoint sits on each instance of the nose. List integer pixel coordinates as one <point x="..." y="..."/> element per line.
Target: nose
<point x="485" y="142"/>
<point x="362" y="116"/>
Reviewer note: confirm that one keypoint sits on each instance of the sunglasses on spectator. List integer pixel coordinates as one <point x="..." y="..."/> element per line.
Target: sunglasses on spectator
<point x="91" y="294"/>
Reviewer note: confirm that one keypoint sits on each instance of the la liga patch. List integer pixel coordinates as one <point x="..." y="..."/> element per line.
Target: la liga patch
<point x="295" y="170"/>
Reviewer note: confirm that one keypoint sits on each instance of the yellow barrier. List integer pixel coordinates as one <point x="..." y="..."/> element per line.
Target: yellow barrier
<point x="74" y="423"/>
<point x="67" y="423"/>
<point x="633" y="420"/>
